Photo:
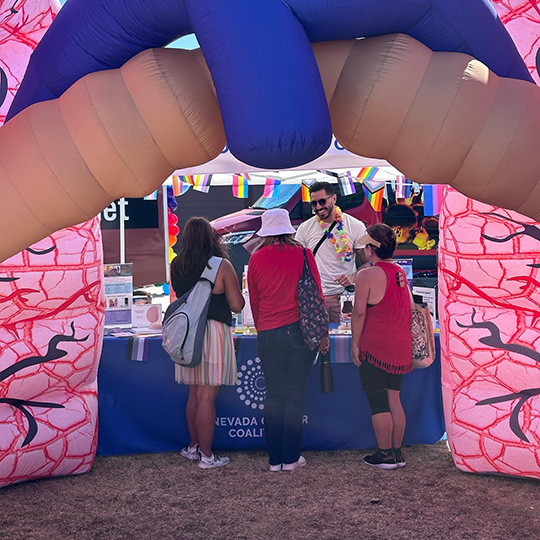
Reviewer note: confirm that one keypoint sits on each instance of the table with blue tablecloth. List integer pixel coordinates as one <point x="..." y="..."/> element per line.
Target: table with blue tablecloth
<point x="142" y="408"/>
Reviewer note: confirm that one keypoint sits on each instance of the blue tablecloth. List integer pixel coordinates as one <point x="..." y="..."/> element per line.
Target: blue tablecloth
<point x="142" y="409"/>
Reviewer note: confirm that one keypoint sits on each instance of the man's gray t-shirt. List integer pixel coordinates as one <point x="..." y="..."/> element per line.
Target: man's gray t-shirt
<point x="328" y="261"/>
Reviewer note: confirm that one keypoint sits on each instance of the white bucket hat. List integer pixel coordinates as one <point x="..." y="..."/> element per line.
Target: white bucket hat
<point x="275" y="222"/>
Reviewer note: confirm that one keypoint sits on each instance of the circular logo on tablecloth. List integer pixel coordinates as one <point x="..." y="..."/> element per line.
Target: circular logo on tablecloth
<point x="251" y="384"/>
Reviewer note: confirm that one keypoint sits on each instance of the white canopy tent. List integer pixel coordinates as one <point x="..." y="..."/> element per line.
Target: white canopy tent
<point x="336" y="157"/>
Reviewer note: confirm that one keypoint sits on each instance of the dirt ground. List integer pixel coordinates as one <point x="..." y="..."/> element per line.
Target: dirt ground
<point x="163" y="496"/>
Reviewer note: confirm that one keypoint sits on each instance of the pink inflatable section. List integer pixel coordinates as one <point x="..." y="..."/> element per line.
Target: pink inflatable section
<point x="489" y="279"/>
<point x="490" y="309"/>
<point x="51" y="313"/>
<point x="522" y="21"/>
<point x="22" y="25"/>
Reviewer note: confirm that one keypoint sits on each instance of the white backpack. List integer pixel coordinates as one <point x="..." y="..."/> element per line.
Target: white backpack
<point x="185" y="319"/>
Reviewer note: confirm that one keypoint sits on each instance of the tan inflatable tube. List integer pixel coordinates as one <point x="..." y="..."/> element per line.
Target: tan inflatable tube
<point x="117" y="133"/>
<point x="437" y="117"/>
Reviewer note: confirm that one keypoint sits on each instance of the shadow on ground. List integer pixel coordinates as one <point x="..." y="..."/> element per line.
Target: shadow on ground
<point x="163" y="496"/>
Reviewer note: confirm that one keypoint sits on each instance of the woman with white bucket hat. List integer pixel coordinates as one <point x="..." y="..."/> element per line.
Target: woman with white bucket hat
<point x="273" y="275"/>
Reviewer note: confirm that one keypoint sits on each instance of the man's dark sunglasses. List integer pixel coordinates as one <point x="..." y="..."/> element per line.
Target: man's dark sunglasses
<point x="320" y="202"/>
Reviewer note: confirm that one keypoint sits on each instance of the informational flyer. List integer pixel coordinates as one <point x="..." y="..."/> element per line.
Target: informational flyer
<point x="118" y="295"/>
<point x="146" y="315"/>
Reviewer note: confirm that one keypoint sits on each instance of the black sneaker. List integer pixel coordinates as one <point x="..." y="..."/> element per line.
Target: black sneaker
<point x="399" y="457"/>
<point x="382" y="459"/>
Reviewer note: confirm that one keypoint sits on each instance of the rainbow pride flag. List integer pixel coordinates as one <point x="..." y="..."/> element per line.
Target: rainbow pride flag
<point x="374" y="185"/>
<point x="375" y="198"/>
<point x="367" y="173"/>
<point x="433" y="197"/>
<point x="240" y="187"/>
<point x="178" y="186"/>
<point x="187" y="179"/>
<point x="305" y="189"/>
<point x="271" y="188"/>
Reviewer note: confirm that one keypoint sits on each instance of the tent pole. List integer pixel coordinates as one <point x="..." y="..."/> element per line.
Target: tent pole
<point x="122" y="203"/>
<point x="164" y="199"/>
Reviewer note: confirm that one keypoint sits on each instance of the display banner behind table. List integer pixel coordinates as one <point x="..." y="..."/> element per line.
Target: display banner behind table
<point x="142" y="408"/>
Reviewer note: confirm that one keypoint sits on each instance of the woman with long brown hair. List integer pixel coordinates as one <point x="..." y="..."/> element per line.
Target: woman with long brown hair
<point x="200" y="242"/>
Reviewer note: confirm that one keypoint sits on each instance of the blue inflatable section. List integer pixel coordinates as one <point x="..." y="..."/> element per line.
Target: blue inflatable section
<point x="466" y="26"/>
<point x="262" y="64"/>
<point x="268" y="87"/>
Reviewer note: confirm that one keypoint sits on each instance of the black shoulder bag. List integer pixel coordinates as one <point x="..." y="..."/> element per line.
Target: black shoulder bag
<point x="319" y="243"/>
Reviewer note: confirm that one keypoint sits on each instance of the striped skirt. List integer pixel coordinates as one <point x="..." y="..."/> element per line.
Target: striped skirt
<point x="218" y="364"/>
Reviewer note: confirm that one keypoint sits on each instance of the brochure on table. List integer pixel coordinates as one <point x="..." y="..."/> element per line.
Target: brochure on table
<point x="118" y="295"/>
<point x="146" y="316"/>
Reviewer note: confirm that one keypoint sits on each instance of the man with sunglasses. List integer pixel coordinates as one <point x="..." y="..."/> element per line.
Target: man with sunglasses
<point x="332" y="236"/>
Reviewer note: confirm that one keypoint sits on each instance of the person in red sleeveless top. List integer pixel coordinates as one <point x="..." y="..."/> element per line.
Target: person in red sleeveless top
<point x="273" y="275"/>
<point x="381" y="342"/>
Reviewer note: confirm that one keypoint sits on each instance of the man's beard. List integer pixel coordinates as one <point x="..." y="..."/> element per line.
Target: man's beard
<point x="328" y="209"/>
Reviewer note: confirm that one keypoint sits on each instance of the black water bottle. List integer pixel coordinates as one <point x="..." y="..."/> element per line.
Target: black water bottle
<point x="327" y="378"/>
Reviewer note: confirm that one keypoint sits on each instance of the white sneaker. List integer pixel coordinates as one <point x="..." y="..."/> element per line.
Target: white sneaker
<point x="275" y="468"/>
<point x="191" y="452"/>
<point x="296" y="465"/>
<point x="212" y="462"/>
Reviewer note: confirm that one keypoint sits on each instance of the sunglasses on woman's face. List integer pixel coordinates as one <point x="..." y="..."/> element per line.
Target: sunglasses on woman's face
<point x="320" y="202"/>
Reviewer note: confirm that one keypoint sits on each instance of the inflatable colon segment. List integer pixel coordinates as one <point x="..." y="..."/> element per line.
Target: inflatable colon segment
<point x="113" y="134"/>
<point x="437" y="117"/>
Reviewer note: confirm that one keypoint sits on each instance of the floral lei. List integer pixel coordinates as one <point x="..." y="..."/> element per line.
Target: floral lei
<point x="340" y="240"/>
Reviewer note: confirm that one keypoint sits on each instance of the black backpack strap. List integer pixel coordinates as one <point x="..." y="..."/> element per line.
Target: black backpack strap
<point x="319" y="243"/>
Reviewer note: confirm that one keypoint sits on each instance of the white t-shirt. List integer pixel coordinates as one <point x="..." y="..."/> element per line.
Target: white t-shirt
<point x="328" y="262"/>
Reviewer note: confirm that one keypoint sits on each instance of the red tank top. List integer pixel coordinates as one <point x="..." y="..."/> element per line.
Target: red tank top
<point x="386" y="338"/>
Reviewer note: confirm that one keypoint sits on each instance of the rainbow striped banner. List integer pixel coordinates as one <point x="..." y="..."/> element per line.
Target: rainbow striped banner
<point x="175" y="185"/>
<point x="305" y="189"/>
<point x="433" y="197"/>
<point x="201" y="182"/>
<point x="374" y="185"/>
<point x="187" y="179"/>
<point x="271" y="188"/>
<point x="240" y="187"/>
<point x="367" y="173"/>
<point x="151" y="197"/>
<point x="178" y="186"/>
<point x="375" y="198"/>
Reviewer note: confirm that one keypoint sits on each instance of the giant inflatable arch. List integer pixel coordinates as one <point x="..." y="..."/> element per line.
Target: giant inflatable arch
<point x="126" y="114"/>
